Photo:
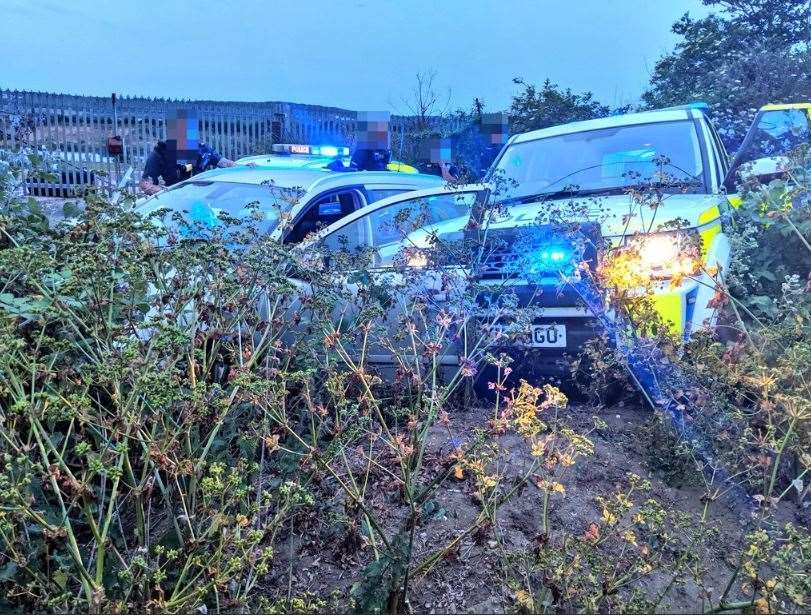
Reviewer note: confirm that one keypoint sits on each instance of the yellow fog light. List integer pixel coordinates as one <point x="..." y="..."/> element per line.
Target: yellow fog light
<point x="645" y="259"/>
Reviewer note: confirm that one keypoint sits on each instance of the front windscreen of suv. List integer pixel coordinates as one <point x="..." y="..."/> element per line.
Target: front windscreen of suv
<point x="605" y="160"/>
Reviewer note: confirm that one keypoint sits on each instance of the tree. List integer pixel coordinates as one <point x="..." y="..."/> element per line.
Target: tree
<point x="424" y="102"/>
<point x="752" y="53"/>
<point x="535" y="108"/>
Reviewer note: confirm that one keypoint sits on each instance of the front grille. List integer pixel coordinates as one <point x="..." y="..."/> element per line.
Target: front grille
<point x="536" y="253"/>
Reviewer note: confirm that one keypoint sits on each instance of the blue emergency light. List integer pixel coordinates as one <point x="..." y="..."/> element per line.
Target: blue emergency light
<point x="553" y="259"/>
<point x="555" y="256"/>
<point x="331" y="150"/>
<point x="327" y="151"/>
<point x="696" y="104"/>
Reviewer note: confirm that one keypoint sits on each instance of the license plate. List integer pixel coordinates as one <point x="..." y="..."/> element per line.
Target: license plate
<point x="547" y="336"/>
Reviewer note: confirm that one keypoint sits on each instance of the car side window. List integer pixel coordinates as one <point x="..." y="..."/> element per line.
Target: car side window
<point x="324" y="210"/>
<point x="349" y="237"/>
<point x="777" y="133"/>
<point x="348" y="247"/>
<point x="391" y="224"/>
<point x="378" y="194"/>
<point x="386" y="230"/>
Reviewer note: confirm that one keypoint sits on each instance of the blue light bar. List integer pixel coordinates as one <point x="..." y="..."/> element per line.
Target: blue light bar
<point x="328" y="151"/>
<point x="698" y="105"/>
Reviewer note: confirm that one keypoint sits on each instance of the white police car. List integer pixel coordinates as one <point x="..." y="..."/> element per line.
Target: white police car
<point x="305" y="199"/>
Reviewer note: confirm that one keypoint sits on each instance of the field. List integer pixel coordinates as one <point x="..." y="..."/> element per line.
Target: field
<point x="198" y="418"/>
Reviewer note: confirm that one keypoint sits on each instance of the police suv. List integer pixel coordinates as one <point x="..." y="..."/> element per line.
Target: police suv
<point x="555" y="197"/>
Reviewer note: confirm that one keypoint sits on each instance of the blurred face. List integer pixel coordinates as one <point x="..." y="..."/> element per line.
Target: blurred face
<point x="494" y="128"/>
<point x="372" y="130"/>
<point x="182" y="134"/>
<point x="436" y="151"/>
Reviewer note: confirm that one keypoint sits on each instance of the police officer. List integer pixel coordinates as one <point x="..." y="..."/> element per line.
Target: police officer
<point x="160" y="164"/>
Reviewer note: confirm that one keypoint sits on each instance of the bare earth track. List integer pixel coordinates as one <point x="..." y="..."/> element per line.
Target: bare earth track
<point x="472" y="577"/>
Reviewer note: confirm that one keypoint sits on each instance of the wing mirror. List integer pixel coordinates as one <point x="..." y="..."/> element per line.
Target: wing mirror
<point x="762" y="170"/>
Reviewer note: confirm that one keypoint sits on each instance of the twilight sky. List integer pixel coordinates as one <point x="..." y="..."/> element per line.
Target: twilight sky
<point x="359" y="54"/>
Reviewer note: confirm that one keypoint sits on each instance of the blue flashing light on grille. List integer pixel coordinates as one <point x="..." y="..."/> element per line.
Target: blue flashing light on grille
<point x="555" y="255"/>
<point x="553" y="259"/>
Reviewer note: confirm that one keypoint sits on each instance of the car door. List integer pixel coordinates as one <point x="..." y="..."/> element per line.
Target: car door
<point x="393" y="254"/>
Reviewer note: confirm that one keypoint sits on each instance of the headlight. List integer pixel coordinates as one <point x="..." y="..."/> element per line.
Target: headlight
<point x="667" y="255"/>
<point x="643" y="259"/>
<point x="416" y="257"/>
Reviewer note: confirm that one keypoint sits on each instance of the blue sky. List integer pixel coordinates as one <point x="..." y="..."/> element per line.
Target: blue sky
<point x="359" y="54"/>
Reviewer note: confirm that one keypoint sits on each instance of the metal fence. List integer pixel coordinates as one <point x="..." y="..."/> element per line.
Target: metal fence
<point x="74" y="130"/>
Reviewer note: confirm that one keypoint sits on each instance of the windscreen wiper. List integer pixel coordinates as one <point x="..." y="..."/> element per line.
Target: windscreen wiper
<point x="570" y="192"/>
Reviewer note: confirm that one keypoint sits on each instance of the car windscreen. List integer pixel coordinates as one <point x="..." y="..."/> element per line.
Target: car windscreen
<point x="204" y="202"/>
<point x="606" y="159"/>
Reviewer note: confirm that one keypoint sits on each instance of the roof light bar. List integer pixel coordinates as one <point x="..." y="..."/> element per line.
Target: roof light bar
<point x="693" y="105"/>
<point x="330" y="151"/>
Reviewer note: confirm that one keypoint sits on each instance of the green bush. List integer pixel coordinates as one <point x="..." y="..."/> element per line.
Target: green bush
<point x="176" y="413"/>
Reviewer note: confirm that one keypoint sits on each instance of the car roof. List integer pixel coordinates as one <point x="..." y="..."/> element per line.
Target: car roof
<point x="628" y="119"/>
<point x="311" y="179"/>
<point x="291" y="161"/>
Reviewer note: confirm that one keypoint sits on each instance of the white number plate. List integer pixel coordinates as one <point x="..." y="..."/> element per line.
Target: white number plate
<point x="547" y="336"/>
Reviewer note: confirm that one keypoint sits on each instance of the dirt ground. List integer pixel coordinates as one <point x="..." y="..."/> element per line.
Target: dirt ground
<point x="473" y="579"/>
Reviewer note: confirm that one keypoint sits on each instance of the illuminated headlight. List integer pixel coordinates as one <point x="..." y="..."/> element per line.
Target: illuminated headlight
<point x="416" y="257"/>
<point x="667" y="255"/>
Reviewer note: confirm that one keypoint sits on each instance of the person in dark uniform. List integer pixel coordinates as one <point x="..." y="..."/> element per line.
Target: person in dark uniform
<point x="437" y="158"/>
<point x="447" y="171"/>
<point x="161" y="164"/>
<point x="370" y="159"/>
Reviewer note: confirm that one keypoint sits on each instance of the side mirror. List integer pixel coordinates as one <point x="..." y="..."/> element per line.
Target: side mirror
<point x="762" y="170"/>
